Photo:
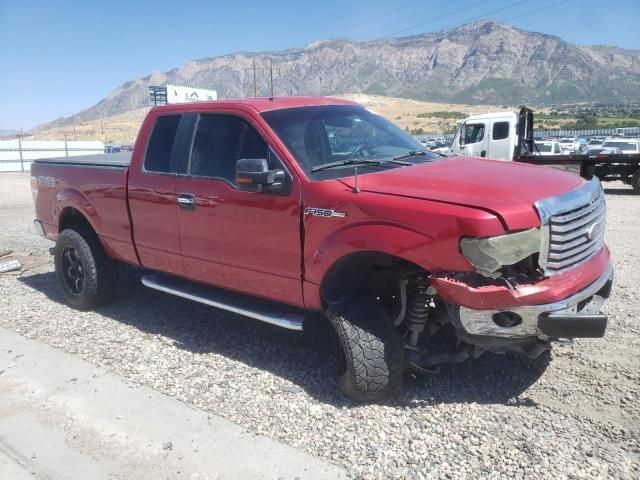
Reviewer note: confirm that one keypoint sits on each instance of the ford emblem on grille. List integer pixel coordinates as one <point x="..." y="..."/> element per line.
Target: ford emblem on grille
<point x="591" y="231"/>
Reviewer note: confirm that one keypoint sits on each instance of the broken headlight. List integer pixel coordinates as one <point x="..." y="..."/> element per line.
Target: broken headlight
<point x="489" y="254"/>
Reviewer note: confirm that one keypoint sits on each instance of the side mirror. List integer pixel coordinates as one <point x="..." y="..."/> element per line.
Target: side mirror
<point x="253" y="175"/>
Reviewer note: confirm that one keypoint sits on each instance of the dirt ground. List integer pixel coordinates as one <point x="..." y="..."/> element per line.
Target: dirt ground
<point x="481" y="419"/>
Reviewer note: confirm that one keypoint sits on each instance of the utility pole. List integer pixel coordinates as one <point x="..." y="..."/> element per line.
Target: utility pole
<point x="73" y="122"/>
<point x="271" y="75"/>
<point x="20" y="150"/>
<point x="255" y="69"/>
<point x="255" y="85"/>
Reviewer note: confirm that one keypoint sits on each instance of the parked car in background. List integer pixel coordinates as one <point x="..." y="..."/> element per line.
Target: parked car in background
<point x="627" y="145"/>
<point x="547" y="148"/>
<point x="603" y="151"/>
<point x="441" y="148"/>
<point x="569" y="144"/>
<point x="594" y="143"/>
<point x="109" y="148"/>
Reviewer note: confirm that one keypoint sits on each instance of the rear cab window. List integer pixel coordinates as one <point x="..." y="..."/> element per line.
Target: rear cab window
<point x="159" y="150"/>
<point x="500" y="131"/>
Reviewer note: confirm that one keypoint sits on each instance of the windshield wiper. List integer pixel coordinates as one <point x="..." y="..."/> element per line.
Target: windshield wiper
<point x="341" y="163"/>
<point x="411" y="154"/>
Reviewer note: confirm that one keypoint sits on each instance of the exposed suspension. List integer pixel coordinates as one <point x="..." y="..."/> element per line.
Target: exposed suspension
<point x="417" y="309"/>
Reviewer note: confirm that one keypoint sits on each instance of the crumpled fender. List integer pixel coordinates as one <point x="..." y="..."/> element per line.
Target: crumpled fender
<point x="393" y="239"/>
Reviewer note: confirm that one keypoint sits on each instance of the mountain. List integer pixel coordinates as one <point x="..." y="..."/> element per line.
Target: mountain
<point x="481" y="62"/>
<point x="8" y="132"/>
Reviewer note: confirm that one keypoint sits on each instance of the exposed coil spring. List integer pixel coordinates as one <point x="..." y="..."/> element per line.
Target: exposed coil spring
<point x="417" y="308"/>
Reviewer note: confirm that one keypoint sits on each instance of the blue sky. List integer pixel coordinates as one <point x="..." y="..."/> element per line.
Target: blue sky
<point x="59" y="57"/>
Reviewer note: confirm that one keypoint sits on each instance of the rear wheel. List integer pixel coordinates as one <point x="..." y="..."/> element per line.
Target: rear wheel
<point x="373" y="351"/>
<point x="86" y="275"/>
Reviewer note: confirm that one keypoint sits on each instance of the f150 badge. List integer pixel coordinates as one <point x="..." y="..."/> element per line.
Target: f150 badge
<point x="323" y="212"/>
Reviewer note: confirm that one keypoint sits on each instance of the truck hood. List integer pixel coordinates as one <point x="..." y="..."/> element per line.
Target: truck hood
<point x="507" y="189"/>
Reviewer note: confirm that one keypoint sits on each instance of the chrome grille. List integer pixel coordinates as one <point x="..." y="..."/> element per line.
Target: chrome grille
<point x="573" y="227"/>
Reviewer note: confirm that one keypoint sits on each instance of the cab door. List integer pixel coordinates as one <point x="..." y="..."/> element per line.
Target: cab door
<point x="472" y="139"/>
<point x="501" y="143"/>
<point x="232" y="238"/>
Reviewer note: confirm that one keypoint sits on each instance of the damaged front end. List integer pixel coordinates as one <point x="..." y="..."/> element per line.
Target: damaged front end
<point x="511" y="319"/>
<point x="491" y="255"/>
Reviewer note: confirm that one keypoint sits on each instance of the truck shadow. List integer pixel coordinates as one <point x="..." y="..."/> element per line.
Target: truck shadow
<point x="308" y="360"/>
<point x="619" y="191"/>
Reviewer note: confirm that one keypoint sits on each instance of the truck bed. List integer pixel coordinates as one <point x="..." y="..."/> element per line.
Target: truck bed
<point x="93" y="185"/>
<point x="116" y="160"/>
<point x="587" y="166"/>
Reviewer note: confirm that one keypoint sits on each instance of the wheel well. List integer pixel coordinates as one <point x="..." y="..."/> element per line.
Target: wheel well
<point x="74" y="220"/>
<point x="360" y="270"/>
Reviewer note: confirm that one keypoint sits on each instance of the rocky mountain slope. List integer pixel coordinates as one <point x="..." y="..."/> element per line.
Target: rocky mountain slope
<point x="481" y="62"/>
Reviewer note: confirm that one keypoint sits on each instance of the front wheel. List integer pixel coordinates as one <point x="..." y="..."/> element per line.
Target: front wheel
<point x="373" y="351"/>
<point x="86" y="275"/>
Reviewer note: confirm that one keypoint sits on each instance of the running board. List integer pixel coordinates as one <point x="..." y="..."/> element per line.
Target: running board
<point x="263" y="310"/>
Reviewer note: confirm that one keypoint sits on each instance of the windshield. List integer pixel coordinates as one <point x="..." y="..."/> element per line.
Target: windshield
<point x="320" y="135"/>
<point x="620" y="145"/>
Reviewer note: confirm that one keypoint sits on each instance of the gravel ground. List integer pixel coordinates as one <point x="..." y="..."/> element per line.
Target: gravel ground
<point x="488" y="418"/>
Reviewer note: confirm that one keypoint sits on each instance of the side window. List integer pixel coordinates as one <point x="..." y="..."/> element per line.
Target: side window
<point x="556" y="148"/>
<point x="220" y="141"/>
<point x="500" y="130"/>
<point x="157" y="158"/>
<point x="473" y="133"/>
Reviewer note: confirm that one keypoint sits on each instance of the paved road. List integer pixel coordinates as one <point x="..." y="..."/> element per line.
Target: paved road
<point x="62" y="417"/>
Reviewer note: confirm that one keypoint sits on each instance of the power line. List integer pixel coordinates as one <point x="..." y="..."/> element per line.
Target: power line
<point x="402" y="18"/>
<point x="467" y="20"/>
<point x="453" y="12"/>
<point x="535" y="11"/>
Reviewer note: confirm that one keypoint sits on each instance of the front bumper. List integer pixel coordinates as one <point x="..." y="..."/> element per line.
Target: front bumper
<point x="578" y="315"/>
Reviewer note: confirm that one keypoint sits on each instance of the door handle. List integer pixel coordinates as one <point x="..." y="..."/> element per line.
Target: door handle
<point x="186" y="201"/>
<point x="483" y="153"/>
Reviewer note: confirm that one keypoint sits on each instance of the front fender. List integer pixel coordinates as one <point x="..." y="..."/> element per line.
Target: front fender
<point x="397" y="240"/>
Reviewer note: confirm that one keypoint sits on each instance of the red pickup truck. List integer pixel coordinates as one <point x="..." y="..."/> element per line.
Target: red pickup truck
<point x="276" y="208"/>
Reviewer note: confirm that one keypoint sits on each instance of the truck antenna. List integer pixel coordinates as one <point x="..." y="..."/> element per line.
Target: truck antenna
<point x="355" y="189"/>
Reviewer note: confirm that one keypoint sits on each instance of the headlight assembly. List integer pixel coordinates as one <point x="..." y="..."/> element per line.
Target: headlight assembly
<point x="489" y="254"/>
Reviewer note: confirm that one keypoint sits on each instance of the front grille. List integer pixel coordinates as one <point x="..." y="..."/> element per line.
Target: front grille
<point x="573" y="227"/>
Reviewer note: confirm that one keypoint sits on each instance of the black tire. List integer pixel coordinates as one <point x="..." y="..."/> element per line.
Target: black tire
<point x="86" y="275"/>
<point x="635" y="182"/>
<point x="373" y="350"/>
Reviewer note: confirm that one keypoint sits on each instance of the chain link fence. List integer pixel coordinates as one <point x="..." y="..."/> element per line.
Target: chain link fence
<point x="598" y="132"/>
